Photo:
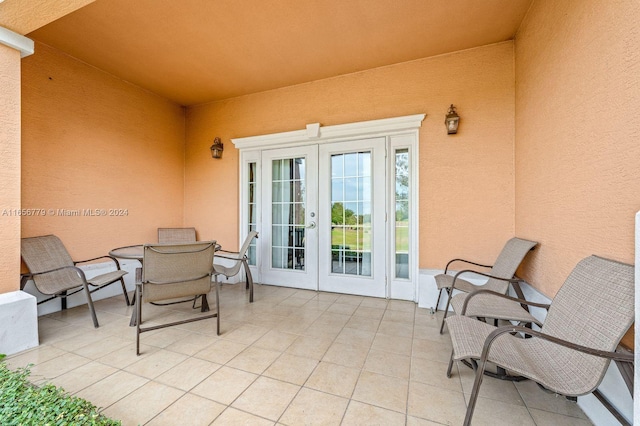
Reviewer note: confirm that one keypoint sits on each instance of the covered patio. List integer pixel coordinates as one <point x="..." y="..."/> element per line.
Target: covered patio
<point x="112" y="106"/>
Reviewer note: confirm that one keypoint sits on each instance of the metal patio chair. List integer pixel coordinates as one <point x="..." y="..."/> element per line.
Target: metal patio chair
<point x="175" y="271"/>
<point x="500" y="275"/>
<point x="239" y="259"/>
<point x="571" y="353"/>
<point x="176" y="235"/>
<point x="55" y="273"/>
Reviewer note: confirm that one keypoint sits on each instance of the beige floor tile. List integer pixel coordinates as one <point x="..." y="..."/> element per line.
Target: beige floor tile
<point x="328" y="331"/>
<point x="126" y="355"/>
<point x="356" y="337"/>
<point x="364" y="414"/>
<point x="436" y="404"/>
<point x="434" y="351"/>
<point x="546" y="418"/>
<point x="328" y="297"/>
<point x="254" y="359"/>
<point x="382" y="391"/>
<point x="191" y="344"/>
<point x="371" y="313"/>
<point x="401" y="306"/>
<point x="57" y="366"/>
<point x="224" y="385"/>
<point x="51" y="336"/>
<point x="435" y="374"/>
<point x="155" y="364"/>
<point x="221" y="351"/>
<point x="311" y="407"/>
<point x="310" y="347"/>
<point x="292" y="369"/>
<point x="199" y="411"/>
<point x="84" y="376"/>
<point x="499" y="390"/>
<point x="374" y="302"/>
<point x="35" y="356"/>
<point x="233" y="417"/>
<point x="393" y="328"/>
<point x="112" y="388"/>
<point x="348" y="355"/>
<point x="416" y="421"/>
<point x="534" y="397"/>
<point x="103" y="347"/>
<point x="427" y="332"/>
<point x="334" y="379"/>
<point x="163" y="337"/>
<point x="266" y="398"/>
<point x="293" y="302"/>
<point x="276" y="340"/>
<point x="245" y="334"/>
<point x="395" y="344"/>
<point x="388" y="363"/>
<point x="188" y="373"/>
<point x="89" y="337"/>
<point x="342" y="308"/>
<point x="490" y="412"/>
<point x="350" y="299"/>
<point x="143" y="404"/>
<point x="363" y="323"/>
<point x="398" y="316"/>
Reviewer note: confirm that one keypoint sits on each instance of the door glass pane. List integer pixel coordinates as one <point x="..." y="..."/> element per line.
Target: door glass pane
<point x="351" y="213"/>
<point x="252" y="210"/>
<point x="402" y="213"/>
<point x="288" y="214"/>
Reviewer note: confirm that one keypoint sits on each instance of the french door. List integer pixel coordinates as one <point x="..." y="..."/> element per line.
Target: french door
<point x="323" y="217"/>
<point x="336" y="207"/>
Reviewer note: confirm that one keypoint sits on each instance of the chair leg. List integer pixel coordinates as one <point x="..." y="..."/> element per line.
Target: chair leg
<point x="249" y="278"/>
<point x="138" y="298"/>
<point x="90" y="303"/>
<point x="446" y="310"/>
<point x="450" y="366"/>
<point x="438" y="301"/>
<point x="124" y="291"/>
<point x="205" y="304"/>
<point x="474" y="393"/>
<point x="218" y="306"/>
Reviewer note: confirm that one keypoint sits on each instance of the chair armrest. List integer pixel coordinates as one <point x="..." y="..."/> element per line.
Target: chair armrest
<point x="616" y="356"/>
<point x="75" y="268"/>
<point x="504" y="296"/>
<point x="237" y="259"/>
<point x="99" y="257"/>
<point x="446" y="268"/>
<point x="453" y="284"/>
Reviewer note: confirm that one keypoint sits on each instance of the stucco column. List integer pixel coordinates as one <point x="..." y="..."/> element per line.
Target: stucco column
<point x="18" y="312"/>
<point x="9" y="169"/>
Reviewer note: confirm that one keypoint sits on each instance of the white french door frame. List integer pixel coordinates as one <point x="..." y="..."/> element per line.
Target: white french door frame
<point x="399" y="133"/>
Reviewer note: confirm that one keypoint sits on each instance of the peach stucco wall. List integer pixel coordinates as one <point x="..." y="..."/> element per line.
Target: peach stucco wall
<point x="577" y="134"/>
<point x="466" y="181"/>
<point x="92" y="141"/>
<point x="9" y="169"/>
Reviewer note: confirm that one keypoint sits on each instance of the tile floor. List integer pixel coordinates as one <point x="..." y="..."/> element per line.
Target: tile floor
<point x="293" y="357"/>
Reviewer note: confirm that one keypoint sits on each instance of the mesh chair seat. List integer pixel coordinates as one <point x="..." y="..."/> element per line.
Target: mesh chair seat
<point x="571" y="353"/>
<point x="107" y="278"/>
<point x="490" y="306"/>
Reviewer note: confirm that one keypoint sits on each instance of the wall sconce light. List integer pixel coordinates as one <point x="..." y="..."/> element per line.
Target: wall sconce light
<point x="217" y="148"/>
<point x="452" y="120"/>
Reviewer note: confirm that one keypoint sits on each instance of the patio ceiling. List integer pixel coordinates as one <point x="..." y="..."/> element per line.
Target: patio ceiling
<point x="196" y="51"/>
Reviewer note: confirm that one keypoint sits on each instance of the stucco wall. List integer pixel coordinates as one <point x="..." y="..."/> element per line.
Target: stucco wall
<point x="9" y="169"/>
<point x="466" y="181"/>
<point x="577" y="132"/>
<point x="91" y="141"/>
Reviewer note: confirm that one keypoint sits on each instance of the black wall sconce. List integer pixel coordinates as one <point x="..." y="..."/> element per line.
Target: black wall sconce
<point x="452" y="120"/>
<point x="217" y="148"/>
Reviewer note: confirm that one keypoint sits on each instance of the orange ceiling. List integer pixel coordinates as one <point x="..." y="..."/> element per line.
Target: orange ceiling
<point x="195" y="51"/>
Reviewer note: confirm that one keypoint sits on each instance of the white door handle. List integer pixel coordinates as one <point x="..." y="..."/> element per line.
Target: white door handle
<point x="311" y="225"/>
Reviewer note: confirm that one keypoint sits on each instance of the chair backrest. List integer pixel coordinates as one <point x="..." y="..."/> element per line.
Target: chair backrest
<point x="593" y="308"/>
<point x="235" y="268"/>
<point x="176" y="235"/>
<point x="177" y="270"/>
<point x="507" y="263"/>
<point x="46" y="253"/>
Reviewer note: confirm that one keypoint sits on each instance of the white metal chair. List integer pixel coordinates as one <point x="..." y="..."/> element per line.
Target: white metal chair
<point x="239" y="259"/>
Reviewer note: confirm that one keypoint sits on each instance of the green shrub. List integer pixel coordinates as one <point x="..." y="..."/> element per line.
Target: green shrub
<point x="22" y="403"/>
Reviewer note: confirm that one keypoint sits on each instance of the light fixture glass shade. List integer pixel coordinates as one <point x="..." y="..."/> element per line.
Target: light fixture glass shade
<point x="452" y="120"/>
<point x="217" y="148"/>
